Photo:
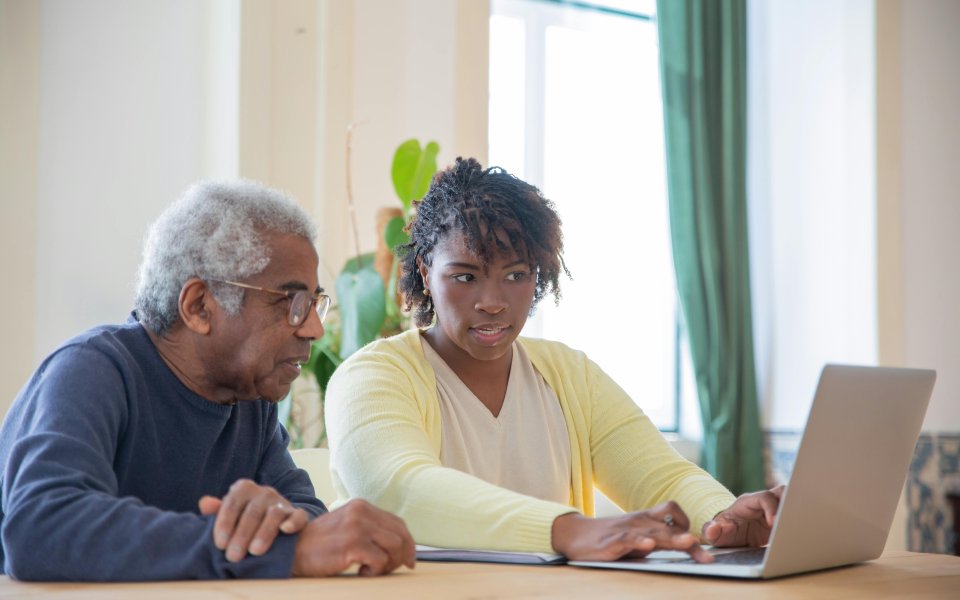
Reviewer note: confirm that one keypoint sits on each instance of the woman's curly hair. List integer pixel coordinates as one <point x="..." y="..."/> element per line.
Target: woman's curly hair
<point x="491" y="208"/>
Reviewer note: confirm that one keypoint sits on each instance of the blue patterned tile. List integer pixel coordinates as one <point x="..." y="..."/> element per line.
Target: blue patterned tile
<point x="934" y="471"/>
<point x="948" y="447"/>
<point x="781" y="452"/>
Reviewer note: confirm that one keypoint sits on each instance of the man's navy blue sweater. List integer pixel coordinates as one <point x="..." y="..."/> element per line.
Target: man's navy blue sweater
<point x="104" y="455"/>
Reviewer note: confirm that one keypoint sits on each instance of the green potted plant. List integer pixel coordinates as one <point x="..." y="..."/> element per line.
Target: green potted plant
<point x="367" y="305"/>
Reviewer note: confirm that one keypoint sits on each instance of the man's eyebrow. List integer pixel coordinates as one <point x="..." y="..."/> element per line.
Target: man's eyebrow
<point x="293" y="285"/>
<point x="299" y="285"/>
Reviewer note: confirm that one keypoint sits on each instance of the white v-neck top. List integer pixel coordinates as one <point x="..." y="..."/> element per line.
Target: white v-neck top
<point x="525" y="448"/>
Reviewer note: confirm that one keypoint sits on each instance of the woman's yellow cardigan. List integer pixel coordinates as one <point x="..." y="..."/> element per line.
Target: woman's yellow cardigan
<point x="383" y="422"/>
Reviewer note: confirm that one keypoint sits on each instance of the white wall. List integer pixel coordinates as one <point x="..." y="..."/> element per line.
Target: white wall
<point x="123" y="127"/>
<point x="811" y="196"/>
<point x="930" y="209"/>
<point x="111" y="108"/>
<point x="416" y="69"/>
<point x="855" y="138"/>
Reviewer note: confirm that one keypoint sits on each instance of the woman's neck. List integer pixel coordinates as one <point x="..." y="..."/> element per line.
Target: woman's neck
<point x="487" y="379"/>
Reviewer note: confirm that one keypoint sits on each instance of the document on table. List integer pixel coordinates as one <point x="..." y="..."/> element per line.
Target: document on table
<point x="430" y="553"/>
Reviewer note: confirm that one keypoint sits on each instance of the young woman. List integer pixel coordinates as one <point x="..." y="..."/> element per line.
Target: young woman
<point x="480" y="439"/>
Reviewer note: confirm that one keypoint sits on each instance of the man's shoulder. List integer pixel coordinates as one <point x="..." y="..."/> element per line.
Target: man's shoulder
<point x="99" y="351"/>
<point x="127" y="338"/>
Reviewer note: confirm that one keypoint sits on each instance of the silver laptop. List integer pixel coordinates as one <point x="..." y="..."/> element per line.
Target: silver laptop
<point x="846" y="482"/>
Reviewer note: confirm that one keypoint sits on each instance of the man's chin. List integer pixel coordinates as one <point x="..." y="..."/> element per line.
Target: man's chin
<point x="277" y="394"/>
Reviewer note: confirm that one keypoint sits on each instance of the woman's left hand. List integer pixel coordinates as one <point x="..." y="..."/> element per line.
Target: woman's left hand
<point x="747" y="522"/>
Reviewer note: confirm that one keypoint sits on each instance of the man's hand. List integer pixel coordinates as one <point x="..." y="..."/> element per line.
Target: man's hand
<point x="249" y="518"/>
<point x="631" y="535"/>
<point x="357" y="533"/>
<point x="747" y="522"/>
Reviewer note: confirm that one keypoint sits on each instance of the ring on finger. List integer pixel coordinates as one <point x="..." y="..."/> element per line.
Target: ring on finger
<point x="668" y="520"/>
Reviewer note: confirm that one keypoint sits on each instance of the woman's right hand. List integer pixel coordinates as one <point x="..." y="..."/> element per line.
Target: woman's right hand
<point x="632" y="535"/>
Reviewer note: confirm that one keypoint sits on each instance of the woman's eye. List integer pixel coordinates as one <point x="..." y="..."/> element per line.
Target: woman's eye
<point x="463" y="277"/>
<point x="517" y="276"/>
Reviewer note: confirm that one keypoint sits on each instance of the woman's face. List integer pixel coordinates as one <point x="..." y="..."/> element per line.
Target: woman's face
<point x="480" y="308"/>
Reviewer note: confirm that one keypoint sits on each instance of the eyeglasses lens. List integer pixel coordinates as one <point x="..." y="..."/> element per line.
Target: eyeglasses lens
<point x="323" y="305"/>
<point x="299" y="305"/>
<point x="301" y="302"/>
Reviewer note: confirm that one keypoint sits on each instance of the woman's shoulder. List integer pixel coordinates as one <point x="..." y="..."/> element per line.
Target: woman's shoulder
<point x="402" y="351"/>
<point x="553" y="353"/>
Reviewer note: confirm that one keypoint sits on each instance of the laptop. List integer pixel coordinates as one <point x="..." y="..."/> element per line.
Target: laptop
<point x="846" y="481"/>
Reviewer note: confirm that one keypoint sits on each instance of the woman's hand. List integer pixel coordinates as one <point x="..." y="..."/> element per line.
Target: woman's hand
<point x="747" y="522"/>
<point x="635" y="535"/>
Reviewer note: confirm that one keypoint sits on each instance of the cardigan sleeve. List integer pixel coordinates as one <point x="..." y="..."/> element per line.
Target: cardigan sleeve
<point x="634" y="465"/>
<point x="384" y="433"/>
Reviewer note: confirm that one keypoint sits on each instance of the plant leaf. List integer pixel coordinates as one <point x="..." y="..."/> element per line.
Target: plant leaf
<point x="355" y="264"/>
<point x="426" y="168"/>
<point x="362" y="300"/>
<point x="326" y="363"/>
<point x="324" y="359"/>
<point x="404" y="169"/>
<point x="413" y="170"/>
<point x="394" y="235"/>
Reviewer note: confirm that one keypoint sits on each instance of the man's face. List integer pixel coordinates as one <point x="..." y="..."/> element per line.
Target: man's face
<point x="257" y="353"/>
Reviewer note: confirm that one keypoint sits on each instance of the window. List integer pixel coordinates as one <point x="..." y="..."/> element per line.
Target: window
<point x="575" y="109"/>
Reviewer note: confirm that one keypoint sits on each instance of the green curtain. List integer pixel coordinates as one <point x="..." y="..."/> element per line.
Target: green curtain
<point x="703" y="72"/>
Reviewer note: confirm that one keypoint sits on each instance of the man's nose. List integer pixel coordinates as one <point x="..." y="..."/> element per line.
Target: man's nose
<point x="311" y="328"/>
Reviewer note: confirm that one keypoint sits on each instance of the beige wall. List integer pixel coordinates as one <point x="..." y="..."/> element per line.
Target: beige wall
<point x="19" y="123"/>
<point x="918" y="202"/>
<point x="918" y="148"/>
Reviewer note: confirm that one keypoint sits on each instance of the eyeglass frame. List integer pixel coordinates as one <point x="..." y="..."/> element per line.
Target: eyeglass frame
<point x="319" y="301"/>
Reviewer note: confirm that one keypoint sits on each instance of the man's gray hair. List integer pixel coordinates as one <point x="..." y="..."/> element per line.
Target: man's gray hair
<point x="215" y="231"/>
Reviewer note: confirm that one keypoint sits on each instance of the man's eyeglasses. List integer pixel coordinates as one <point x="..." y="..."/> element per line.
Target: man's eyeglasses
<point x="301" y="301"/>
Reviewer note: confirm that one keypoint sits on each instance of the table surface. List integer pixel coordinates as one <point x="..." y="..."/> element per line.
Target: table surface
<point x="894" y="575"/>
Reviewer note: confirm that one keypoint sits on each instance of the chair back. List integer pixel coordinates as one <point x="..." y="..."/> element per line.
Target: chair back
<point x="316" y="462"/>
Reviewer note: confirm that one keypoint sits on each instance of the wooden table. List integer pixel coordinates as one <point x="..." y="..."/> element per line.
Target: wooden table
<point x="895" y="575"/>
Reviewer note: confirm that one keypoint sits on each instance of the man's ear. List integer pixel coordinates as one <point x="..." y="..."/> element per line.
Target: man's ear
<point x="197" y="305"/>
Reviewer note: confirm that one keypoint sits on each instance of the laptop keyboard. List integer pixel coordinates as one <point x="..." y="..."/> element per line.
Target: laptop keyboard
<point x="749" y="556"/>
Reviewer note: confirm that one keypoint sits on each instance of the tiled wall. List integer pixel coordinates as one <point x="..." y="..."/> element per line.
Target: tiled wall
<point x="781" y="450"/>
<point x="934" y="472"/>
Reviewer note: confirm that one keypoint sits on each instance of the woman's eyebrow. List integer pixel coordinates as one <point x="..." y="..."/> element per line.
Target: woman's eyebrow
<point x="515" y="263"/>
<point x="462" y="265"/>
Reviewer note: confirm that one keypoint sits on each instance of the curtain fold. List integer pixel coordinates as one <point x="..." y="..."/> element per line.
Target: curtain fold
<point x="703" y="73"/>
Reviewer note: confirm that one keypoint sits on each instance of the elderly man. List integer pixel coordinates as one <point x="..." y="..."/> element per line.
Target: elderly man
<point x="152" y="450"/>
